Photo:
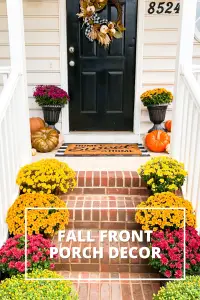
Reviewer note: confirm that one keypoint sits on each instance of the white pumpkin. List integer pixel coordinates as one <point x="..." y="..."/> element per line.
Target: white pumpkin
<point x="91" y="9"/>
<point x="104" y="29"/>
<point x="33" y="151"/>
<point x="168" y="148"/>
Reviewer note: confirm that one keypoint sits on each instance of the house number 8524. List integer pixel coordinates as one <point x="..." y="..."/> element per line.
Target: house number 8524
<point x="163" y="8"/>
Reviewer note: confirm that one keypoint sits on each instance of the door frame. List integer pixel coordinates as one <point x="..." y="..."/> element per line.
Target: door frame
<point x="102" y="137"/>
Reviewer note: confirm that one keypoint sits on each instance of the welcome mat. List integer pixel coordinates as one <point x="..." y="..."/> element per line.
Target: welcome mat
<point x="102" y="150"/>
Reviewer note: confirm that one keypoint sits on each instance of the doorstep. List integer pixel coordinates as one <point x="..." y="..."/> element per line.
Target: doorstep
<point x="100" y="163"/>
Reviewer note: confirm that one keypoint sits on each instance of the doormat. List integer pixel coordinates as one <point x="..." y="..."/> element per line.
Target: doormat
<point x="102" y="150"/>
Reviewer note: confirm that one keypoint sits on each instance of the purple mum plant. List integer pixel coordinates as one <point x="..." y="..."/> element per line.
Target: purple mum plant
<point x="50" y="95"/>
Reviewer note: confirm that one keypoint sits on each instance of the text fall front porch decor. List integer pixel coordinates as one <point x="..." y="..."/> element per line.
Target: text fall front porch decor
<point x="99" y="29"/>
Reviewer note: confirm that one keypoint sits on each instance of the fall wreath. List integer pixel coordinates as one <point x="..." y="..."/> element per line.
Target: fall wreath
<point x="99" y="29"/>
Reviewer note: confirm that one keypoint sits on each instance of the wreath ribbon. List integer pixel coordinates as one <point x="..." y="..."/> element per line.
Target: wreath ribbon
<point x="99" y="29"/>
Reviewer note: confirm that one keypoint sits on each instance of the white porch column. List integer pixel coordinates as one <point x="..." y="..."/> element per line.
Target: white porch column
<point x="184" y="57"/>
<point x="18" y="63"/>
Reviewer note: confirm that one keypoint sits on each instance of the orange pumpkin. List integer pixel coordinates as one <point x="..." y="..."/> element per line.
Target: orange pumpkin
<point x="45" y="140"/>
<point x="36" y="124"/>
<point x="168" y="125"/>
<point x="157" y="141"/>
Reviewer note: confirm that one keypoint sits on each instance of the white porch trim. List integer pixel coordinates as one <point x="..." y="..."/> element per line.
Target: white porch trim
<point x="18" y="64"/>
<point x="102" y="137"/>
<point x="184" y="57"/>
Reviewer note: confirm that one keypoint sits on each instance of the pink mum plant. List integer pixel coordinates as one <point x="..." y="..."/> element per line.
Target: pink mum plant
<point x="171" y="244"/>
<point x="12" y="254"/>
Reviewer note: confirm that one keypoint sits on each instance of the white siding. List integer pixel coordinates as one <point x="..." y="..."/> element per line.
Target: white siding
<point x="41" y="19"/>
<point x="160" y="46"/>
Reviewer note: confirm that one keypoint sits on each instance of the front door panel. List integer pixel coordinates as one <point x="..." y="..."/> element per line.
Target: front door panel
<point x="101" y="83"/>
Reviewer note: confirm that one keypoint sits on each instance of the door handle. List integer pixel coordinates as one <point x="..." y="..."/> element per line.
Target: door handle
<point x="71" y="49"/>
<point x="72" y="63"/>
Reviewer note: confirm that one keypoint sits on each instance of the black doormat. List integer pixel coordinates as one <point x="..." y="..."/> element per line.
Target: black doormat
<point x="87" y="150"/>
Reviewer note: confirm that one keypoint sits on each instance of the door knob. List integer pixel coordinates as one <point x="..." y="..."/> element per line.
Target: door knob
<point x="71" y="49"/>
<point x="72" y="63"/>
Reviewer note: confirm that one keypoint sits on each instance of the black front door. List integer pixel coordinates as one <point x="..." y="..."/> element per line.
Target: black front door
<point x="101" y="81"/>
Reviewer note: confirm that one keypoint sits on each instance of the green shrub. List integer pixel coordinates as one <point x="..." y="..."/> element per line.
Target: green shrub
<point x="188" y="289"/>
<point x="17" y="288"/>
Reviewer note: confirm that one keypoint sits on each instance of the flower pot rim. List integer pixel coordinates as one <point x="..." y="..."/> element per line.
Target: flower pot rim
<point x="51" y="105"/>
<point x="164" y="104"/>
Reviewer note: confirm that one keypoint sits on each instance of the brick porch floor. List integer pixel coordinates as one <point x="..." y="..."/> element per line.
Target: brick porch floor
<point x="117" y="290"/>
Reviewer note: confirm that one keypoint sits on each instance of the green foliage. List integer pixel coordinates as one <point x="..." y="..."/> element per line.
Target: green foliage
<point x="17" y="288"/>
<point x="188" y="289"/>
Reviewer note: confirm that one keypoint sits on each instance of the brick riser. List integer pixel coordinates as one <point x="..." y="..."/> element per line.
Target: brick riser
<point x="92" y="267"/>
<point x="109" y="183"/>
<point x="106" y="216"/>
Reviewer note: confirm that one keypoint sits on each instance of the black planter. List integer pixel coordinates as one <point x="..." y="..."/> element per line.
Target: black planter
<point x="157" y="115"/>
<point x="51" y="115"/>
<point x="163" y="283"/>
<point x="3" y="276"/>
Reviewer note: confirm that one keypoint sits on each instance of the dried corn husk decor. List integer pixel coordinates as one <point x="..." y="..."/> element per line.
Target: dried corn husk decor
<point x="99" y="29"/>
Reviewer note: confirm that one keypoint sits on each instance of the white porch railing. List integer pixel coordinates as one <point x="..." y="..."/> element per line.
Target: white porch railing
<point x="4" y="72"/>
<point x="13" y="139"/>
<point x="188" y="150"/>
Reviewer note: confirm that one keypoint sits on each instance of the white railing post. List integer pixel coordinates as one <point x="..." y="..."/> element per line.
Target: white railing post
<point x="18" y="63"/>
<point x="184" y="56"/>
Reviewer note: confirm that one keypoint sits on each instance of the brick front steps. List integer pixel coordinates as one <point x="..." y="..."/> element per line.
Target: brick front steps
<point x="109" y="183"/>
<point x="106" y="264"/>
<point x="113" y="290"/>
<point x="96" y="204"/>
<point x="106" y="216"/>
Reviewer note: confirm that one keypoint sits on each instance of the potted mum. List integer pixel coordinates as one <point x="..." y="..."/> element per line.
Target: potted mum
<point x="12" y="254"/>
<point x="180" y="289"/>
<point x="52" y="99"/>
<point x="171" y="245"/>
<point x="163" y="174"/>
<point x="157" y="101"/>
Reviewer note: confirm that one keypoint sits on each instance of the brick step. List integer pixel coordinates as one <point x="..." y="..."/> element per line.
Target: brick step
<point x="102" y="212"/>
<point x="109" y="182"/>
<point x="106" y="263"/>
<point x="74" y="267"/>
<point x="94" y="285"/>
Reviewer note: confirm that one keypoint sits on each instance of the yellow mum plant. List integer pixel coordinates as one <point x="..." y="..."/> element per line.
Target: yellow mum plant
<point x="47" y="176"/>
<point x="17" y="288"/>
<point x="44" y="221"/>
<point x="156" y="97"/>
<point x="163" y="174"/>
<point x="154" y="219"/>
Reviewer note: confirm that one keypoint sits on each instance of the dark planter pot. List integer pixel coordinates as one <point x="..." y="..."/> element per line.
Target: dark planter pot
<point x="51" y="115"/>
<point x="3" y="276"/>
<point x="157" y="115"/>
<point x="163" y="282"/>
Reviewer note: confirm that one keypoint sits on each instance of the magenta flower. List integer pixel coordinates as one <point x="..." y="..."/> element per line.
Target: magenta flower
<point x="50" y="95"/>
<point x="12" y="254"/>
